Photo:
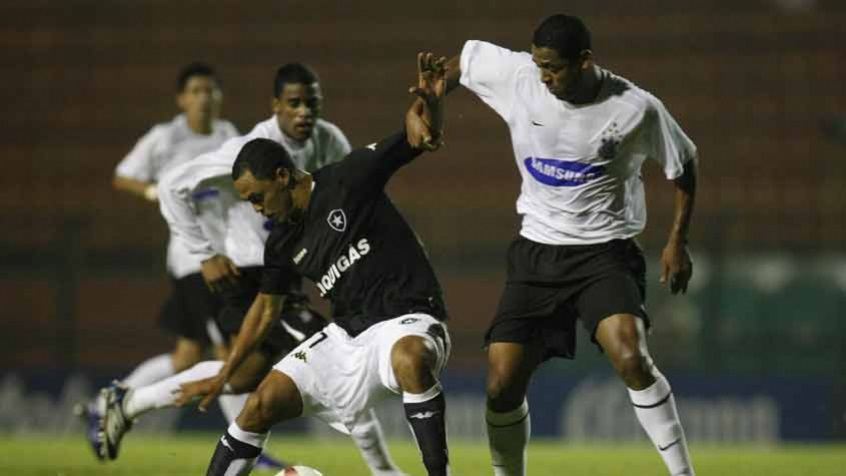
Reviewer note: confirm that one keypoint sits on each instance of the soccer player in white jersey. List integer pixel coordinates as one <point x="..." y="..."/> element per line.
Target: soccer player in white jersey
<point x="190" y="309"/>
<point x="193" y="132"/>
<point x="296" y="124"/>
<point x="580" y="134"/>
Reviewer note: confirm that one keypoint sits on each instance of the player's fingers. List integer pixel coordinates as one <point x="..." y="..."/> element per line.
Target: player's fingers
<point x="664" y="270"/>
<point x="234" y="269"/>
<point x="421" y="66"/>
<point x="205" y="402"/>
<point x="419" y="92"/>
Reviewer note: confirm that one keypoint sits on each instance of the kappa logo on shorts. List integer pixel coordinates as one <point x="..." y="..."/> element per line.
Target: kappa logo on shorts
<point x="337" y="219"/>
<point x="409" y="320"/>
<point x="301" y="355"/>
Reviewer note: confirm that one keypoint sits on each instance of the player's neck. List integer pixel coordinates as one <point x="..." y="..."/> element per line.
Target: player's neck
<point x="590" y="87"/>
<point x="301" y="195"/>
<point x="199" y="125"/>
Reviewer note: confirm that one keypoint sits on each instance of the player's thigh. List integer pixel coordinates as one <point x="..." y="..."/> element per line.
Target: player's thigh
<point x="276" y="399"/>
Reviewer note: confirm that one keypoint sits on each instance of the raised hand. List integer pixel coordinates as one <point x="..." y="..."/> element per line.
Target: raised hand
<point x="424" y="121"/>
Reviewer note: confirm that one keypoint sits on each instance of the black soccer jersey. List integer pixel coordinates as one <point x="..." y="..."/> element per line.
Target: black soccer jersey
<point x="354" y="244"/>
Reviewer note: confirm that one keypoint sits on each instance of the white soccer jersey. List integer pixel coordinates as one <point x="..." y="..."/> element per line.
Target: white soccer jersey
<point x="203" y="210"/>
<point x="580" y="164"/>
<point x="169" y="144"/>
<point x="165" y="146"/>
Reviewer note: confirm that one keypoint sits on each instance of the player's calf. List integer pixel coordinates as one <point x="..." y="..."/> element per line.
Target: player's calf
<point x="414" y="362"/>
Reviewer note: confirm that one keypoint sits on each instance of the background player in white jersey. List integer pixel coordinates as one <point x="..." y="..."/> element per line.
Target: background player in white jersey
<point x="338" y="228"/>
<point x="296" y="124"/>
<point x="190" y="309"/>
<point x="580" y="135"/>
<point x="206" y="217"/>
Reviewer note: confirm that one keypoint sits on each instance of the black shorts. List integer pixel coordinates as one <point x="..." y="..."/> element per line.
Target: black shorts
<point x="548" y="287"/>
<point x="190" y="308"/>
<point x="300" y="321"/>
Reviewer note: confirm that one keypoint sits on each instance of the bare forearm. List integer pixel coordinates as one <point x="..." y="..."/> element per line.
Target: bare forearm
<point x="131" y="186"/>
<point x="254" y="329"/>
<point x="685" y="198"/>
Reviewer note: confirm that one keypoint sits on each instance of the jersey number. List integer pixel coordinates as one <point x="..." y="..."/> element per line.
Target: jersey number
<point x="320" y="338"/>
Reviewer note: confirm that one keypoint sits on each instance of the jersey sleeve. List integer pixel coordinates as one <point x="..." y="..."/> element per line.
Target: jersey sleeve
<point x="278" y="275"/>
<point x="491" y="73"/>
<point x="140" y="163"/>
<point x="371" y="167"/>
<point x="667" y="144"/>
<point x="337" y="145"/>
<point x="181" y="217"/>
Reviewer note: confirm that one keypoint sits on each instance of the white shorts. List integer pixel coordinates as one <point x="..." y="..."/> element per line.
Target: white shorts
<point x="340" y="377"/>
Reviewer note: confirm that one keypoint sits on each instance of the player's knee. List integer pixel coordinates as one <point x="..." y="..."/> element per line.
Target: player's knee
<point x="502" y="394"/>
<point x="413" y="361"/>
<point x="257" y="415"/>
<point x="634" y="368"/>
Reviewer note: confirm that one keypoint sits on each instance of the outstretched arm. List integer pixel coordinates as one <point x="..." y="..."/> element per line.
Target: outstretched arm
<point x="677" y="267"/>
<point x="257" y="323"/>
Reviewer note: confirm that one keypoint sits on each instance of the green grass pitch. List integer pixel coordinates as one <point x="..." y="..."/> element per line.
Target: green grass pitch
<point x="188" y="454"/>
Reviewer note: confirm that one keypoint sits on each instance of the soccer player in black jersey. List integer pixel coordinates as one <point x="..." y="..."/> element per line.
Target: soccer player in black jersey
<point x="338" y="228"/>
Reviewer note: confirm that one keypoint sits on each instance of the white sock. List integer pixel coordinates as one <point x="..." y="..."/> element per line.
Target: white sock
<point x="370" y="440"/>
<point x="163" y="393"/>
<point x="231" y="405"/>
<point x="150" y="371"/>
<point x="655" y="408"/>
<point x="237" y="452"/>
<point x="508" y="437"/>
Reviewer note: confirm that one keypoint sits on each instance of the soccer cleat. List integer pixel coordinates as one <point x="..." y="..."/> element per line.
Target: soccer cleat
<point x="114" y="423"/>
<point x="269" y="463"/>
<point x="92" y="420"/>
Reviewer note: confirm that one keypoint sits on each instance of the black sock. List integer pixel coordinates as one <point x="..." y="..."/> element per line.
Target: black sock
<point x="427" y="419"/>
<point x="232" y="454"/>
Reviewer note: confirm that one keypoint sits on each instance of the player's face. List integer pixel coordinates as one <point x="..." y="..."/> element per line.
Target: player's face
<point x="270" y="197"/>
<point x="201" y="98"/>
<point x="297" y="109"/>
<point x="561" y="76"/>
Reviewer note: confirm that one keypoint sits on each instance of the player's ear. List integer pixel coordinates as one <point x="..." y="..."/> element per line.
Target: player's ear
<point x="275" y="105"/>
<point x="586" y="59"/>
<point x="180" y="100"/>
<point x="283" y="176"/>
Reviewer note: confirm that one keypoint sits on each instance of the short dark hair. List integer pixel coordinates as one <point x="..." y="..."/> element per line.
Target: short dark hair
<point x="196" y="68"/>
<point x="292" y="73"/>
<point x="566" y="34"/>
<point x="262" y="158"/>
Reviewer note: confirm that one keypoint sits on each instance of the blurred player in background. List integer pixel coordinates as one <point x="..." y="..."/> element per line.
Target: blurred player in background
<point x="206" y="217"/>
<point x="190" y="309"/>
<point x="580" y="134"/>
